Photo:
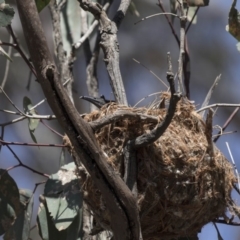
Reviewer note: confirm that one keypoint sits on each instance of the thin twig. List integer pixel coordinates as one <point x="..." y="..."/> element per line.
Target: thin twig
<point x="23" y="165"/>
<point x="8" y="98"/>
<point x="230" y="223"/>
<point x="150" y="95"/>
<point x="190" y="23"/>
<point x="154" y="15"/>
<point x="121" y="115"/>
<point x="19" y="49"/>
<point x="221" y="134"/>
<point x="218" y="233"/>
<point x="234" y="165"/>
<point x="51" y="129"/>
<point x="151" y="72"/>
<point x="209" y="94"/>
<point x="5" y="143"/>
<point x="208" y="134"/>
<point x="183" y="20"/>
<point x="148" y="138"/>
<point x="7" y="64"/>
<point x="218" y="105"/>
<point x="227" y="123"/>
<point x="169" y="22"/>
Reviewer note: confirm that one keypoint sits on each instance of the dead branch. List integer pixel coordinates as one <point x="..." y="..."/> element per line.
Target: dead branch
<point x="109" y="44"/>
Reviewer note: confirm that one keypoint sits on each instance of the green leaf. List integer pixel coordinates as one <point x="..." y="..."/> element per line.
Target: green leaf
<point x="9" y="191"/>
<point x="32" y="123"/>
<point x="6" y="14"/>
<point x="63" y="196"/>
<point x="75" y="228"/>
<point x="7" y="215"/>
<point x="133" y="9"/>
<point x="46" y="227"/>
<point x="41" y="4"/>
<point x="21" y="228"/>
<point x="233" y="26"/>
<point x="4" y="53"/>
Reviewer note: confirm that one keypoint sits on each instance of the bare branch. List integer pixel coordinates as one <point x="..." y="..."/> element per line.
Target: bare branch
<point x="119" y="200"/>
<point x="20" y="50"/>
<point x="209" y="94"/>
<point x="226" y="123"/>
<point x="183" y="20"/>
<point x="109" y="44"/>
<point x="7" y="64"/>
<point x="218" y="105"/>
<point x="148" y="138"/>
<point x="208" y="133"/>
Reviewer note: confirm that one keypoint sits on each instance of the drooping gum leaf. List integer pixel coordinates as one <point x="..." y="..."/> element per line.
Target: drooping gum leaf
<point x="63" y="197"/>
<point x="234" y="23"/>
<point x="32" y="123"/>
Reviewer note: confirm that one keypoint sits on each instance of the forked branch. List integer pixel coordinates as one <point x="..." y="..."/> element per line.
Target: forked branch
<point x="109" y="44"/>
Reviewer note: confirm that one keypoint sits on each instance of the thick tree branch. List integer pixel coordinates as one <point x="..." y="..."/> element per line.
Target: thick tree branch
<point x="109" y="44"/>
<point x="119" y="200"/>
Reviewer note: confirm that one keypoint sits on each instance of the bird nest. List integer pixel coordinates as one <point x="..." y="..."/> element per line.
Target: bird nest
<point x="181" y="186"/>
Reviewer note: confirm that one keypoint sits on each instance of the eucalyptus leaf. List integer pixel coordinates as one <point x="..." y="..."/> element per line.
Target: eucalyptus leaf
<point x="233" y="26"/>
<point x="32" y="123"/>
<point x="5" y="54"/>
<point x="63" y="196"/>
<point x="46" y="227"/>
<point x="9" y="191"/>
<point x="21" y="228"/>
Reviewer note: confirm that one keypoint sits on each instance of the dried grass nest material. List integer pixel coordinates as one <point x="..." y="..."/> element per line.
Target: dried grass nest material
<point x="180" y="187"/>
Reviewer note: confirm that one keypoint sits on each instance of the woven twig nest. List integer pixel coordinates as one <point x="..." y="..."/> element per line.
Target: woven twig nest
<point x="180" y="186"/>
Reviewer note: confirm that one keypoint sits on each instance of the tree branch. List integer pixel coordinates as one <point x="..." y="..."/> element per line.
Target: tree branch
<point x="120" y="115"/>
<point x="119" y="200"/>
<point x="109" y="44"/>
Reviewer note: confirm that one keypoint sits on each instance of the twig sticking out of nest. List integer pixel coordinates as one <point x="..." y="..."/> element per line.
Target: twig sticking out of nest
<point x="183" y="181"/>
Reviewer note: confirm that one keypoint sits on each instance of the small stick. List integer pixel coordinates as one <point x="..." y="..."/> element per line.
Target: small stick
<point x="234" y="165"/>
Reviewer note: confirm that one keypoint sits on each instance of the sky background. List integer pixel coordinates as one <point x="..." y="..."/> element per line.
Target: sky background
<point x="212" y="51"/>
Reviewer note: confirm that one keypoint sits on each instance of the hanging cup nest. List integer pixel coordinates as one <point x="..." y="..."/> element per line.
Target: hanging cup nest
<point x="182" y="181"/>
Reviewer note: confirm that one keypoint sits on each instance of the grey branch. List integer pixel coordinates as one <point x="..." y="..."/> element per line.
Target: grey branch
<point x="109" y="44"/>
<point x="218" y="105"/>
<point x="209" y="94"/>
